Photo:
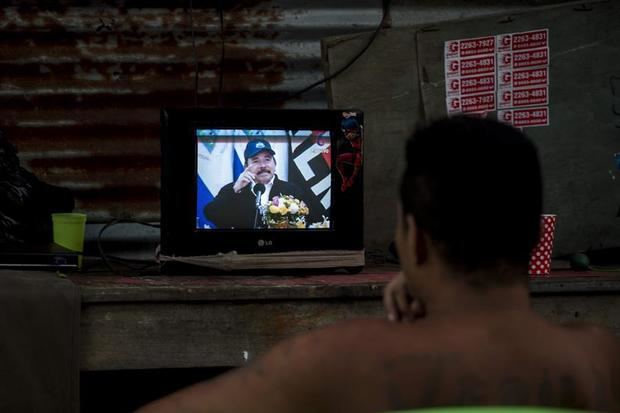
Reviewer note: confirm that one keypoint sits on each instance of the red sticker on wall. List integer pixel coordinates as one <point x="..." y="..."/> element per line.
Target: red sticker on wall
<point x="524" y="40"/>
<point x="471" y="66"/>
<point x="527" y="58"/>
<point x="525" y="117"/>
<point x="523" y="77"/>
<point x="508" y="98"/>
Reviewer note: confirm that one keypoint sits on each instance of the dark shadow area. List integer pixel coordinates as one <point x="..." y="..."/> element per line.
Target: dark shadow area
<point x="126" y="390"/>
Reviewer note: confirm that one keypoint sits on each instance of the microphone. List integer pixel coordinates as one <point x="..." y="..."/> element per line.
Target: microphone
<point x="259" y="189"/>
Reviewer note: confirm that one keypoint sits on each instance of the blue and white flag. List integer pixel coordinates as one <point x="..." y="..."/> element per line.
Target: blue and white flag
<point x="214" y="161"/>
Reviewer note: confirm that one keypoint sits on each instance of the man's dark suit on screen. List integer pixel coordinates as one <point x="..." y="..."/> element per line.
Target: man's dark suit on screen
<point x="237" y="210"/>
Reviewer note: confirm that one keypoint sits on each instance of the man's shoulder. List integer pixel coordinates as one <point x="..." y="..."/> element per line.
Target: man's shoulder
<point x="228" y="187"/>
<point x="227" y="190"/>
<point x="326" y="355"/>
<point x="281" y="182"/>
<point x="336" y="336"/>
<point x="593" y="332"/>
<point x="364" y="335"/>
<point x="286" y="188"/>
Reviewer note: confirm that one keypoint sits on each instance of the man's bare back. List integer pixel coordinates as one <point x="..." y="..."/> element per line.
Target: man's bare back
<point x="375" y="365"/>
<point x="506" y="359"/>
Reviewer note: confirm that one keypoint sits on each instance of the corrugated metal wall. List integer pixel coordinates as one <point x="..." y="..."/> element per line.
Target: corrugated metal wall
<point x="82" y="82"/>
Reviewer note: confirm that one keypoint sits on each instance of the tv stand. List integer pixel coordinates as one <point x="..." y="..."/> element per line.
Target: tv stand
<point x="351" y="261"/>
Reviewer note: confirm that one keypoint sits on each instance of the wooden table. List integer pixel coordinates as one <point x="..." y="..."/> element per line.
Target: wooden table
<point x="193" y="321"/>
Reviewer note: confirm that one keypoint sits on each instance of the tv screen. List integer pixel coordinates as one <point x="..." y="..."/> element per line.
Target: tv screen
<point x="261" y="181"/>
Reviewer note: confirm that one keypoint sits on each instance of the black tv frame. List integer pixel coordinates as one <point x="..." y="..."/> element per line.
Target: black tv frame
<point x="179" y="236"/>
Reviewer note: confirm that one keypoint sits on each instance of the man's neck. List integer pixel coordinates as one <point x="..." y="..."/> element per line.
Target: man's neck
<point x="451" y="297"/>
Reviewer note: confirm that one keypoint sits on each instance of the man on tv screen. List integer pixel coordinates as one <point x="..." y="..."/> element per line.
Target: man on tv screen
<point x="239" y="204"/>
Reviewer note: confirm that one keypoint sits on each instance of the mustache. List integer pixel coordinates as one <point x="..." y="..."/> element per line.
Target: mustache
<point x="261" y="170"/>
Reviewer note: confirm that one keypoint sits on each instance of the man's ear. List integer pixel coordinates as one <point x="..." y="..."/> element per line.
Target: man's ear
<point x="417" y="239"/>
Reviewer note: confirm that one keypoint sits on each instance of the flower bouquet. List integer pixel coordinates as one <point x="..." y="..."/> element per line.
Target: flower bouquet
<point x="285" y="211"/>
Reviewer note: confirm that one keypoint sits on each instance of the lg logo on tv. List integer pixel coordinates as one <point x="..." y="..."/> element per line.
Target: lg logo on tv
<point x="264" y="243"/>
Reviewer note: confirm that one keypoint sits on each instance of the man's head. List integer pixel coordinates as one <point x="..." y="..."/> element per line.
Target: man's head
<point x="472" y="189"/>
<point x="259" y="157"/>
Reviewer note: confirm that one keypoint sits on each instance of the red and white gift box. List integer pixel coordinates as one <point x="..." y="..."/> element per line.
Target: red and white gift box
<point x="540" y="259"/>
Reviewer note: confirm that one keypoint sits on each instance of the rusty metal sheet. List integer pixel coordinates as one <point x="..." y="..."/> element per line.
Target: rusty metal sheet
<point x="82" y="81"/>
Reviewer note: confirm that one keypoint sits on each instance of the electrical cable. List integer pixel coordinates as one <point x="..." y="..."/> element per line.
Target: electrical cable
<point x="194" y="53"/>
<point x="382" y="23"/>
<point x="120" y="260"/>
<point x="385" y="15"/>
<point x="220" y="12"/>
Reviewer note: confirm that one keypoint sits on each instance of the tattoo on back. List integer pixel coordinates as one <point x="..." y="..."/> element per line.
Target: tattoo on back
<point x="513" y="391"/>
<point x="425" y="380"/>
<point x="400" y="394"/>
<point x="545" y="389"/>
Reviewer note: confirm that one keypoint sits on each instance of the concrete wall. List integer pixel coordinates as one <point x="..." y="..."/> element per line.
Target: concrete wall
<point x="576" y="150"/>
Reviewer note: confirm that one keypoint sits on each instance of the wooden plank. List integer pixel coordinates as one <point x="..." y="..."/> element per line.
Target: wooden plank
<point x="601" y="309"/>
<point x="192" y="321"/>
<point x="112" y="288"/>
<point x="576" y="283"/>
<point x="196" y="334"/>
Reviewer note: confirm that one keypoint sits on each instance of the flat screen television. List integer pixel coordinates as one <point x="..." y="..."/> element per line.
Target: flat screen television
<point x="261" y="183"/>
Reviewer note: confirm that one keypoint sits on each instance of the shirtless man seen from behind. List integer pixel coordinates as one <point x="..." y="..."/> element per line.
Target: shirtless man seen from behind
<point x="468" y="216"/>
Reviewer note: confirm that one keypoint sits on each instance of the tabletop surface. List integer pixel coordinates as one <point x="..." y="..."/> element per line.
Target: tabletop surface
<point x="369" y="283"/>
